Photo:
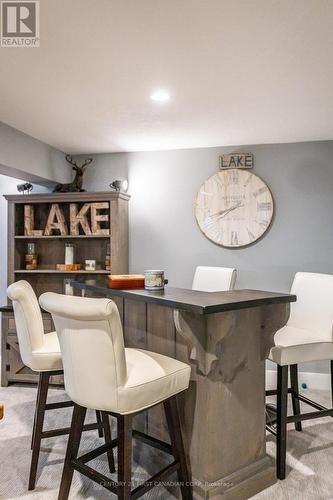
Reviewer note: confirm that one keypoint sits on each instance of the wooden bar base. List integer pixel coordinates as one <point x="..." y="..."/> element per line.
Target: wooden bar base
<point x="224" y="409"/>
<point x="223" y="412"/>
<point x="240" y="485"/>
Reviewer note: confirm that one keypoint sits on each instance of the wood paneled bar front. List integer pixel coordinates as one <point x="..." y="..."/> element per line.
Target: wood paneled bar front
<point x="225" y="337"/>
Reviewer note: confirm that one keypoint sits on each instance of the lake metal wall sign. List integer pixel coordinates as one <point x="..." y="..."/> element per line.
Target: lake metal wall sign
<point x="236" y="160"/>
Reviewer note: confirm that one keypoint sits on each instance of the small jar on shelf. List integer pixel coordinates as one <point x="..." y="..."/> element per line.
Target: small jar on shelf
<point x="31" y="257"/>
<point x="69" y="254"/>
<point x="68" y="289"/>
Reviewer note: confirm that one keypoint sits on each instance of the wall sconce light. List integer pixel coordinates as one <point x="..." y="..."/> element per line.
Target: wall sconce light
<point x="120" y="185"/>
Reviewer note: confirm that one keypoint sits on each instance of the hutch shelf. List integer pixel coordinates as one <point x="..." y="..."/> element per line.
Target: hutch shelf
<point x="54" y="271"/>
<point x="51" y="251"/>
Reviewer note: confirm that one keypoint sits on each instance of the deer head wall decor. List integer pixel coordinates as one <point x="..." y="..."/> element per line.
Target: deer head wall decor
<point x="76" y="184"/>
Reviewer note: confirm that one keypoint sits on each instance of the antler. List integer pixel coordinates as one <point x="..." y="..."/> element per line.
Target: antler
<point x="86" y="162"/>
<point x="70" y="160"/>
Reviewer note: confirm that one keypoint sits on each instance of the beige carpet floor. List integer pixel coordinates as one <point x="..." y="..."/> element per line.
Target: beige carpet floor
<point x="309" y="474"/>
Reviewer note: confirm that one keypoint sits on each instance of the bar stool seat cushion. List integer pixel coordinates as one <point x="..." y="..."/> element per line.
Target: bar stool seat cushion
<point x="296" y="345"/>
<point x="151" y="378"/>
<point x="48" y="356"/>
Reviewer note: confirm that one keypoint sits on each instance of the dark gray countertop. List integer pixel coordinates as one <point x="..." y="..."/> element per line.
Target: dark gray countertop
<point x="191" y="300"/>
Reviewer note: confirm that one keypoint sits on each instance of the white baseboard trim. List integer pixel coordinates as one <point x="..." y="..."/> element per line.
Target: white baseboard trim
<point x="320" y="381"/>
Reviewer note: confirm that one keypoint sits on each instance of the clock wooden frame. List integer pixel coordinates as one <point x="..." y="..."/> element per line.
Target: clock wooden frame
<point x="255" y="200"/>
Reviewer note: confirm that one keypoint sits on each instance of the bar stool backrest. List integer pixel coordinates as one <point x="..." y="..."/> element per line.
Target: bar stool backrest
<point x="92" y="347"/>
<point x="214" y="279"/>
<point x="28" y="319"/>
<point x="313" y="310"/>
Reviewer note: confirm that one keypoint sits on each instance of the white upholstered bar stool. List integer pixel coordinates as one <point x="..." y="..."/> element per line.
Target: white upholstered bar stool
<point x="214" y="279"/>
<point x="209" y="279"/>
<point x="308" y="336"/>
<point x="41" y="353"/>
<point x="101" y="374"/>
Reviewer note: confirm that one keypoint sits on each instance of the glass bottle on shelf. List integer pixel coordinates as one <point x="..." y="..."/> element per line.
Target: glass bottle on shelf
<point x="68" y="289"/>
<point x="69" y="254"/>
<point x="31" y="257"/>
<point x="108" y="257"/>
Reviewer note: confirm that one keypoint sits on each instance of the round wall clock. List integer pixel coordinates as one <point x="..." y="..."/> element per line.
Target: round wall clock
<point x="234" y="208"/>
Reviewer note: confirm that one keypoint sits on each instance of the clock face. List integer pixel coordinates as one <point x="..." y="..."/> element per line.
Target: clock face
<point x="234" y="208"/>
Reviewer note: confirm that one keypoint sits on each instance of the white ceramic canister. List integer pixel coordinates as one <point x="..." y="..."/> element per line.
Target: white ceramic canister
<point x="69" y="254"/>
<point x="90" y="265"/>
<point x="154" y="280"/>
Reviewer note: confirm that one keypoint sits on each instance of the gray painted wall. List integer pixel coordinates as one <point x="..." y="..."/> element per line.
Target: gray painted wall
<point x="301" y="238"/>
<point x="27" y="158"/>
<point x="164" y="234"/>
<point x="104" y="169"/>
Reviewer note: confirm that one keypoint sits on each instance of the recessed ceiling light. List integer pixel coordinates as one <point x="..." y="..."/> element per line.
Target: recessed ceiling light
<point x="160" y="96"/>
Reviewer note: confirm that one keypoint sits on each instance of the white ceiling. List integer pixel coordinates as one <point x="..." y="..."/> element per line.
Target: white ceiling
<point x="239" y="72"/>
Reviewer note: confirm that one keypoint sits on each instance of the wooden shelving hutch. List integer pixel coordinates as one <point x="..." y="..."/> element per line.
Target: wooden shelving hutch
<point x="51" y="251"/>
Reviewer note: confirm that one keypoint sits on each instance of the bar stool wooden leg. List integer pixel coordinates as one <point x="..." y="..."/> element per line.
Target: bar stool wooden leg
<point x="37" y="429"/>
<point x="99" y="420"/>
<point x="281" y="423"/>
<point x="33" y="428"/>
<point x="331" y="366"/>
<point x="43" y="386"/>
<point x="173" y="420"/>
<point x="124" y="425"/>
<point x="294" y="393"/>
<point x="108" y="440"/>
<point x="79" y="414"/>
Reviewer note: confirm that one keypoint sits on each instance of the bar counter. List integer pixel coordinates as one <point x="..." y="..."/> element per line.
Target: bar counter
<point x="225" y="337"/>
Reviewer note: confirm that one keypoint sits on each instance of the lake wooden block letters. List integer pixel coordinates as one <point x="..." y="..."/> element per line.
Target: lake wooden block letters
<point x="29" y="222"/>
<point x="56" y="221"/>
<point x="89" y="217"/>
<point x="97" y="218"/>
<point x="78" y="218"/>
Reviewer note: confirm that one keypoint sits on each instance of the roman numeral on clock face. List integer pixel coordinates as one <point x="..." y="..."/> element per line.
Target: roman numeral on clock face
<point x="248" y="180"/>
<point x="208" y="223"/>
<point x="260" y="191"/>
<point x="204" y="210"/>
<point x="262" y="223"/>
<point x="217" y="236"/>
<point x="251" y="235"/>
<point x="264" y="205"/>
<point x="233" y="176"/>
<point x="234" y="238"/>
<point x="218" y="182"/>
